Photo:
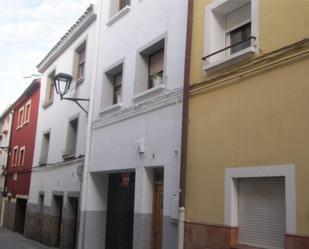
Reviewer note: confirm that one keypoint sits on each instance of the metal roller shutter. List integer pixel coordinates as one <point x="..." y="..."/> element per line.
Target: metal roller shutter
<point x="261" y="208"/>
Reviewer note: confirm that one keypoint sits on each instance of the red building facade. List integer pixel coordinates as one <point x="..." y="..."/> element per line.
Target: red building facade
<point x="21" y="150"/>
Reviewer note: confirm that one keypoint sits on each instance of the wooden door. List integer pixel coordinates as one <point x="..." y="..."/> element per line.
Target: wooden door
<point x="157" y="215"/>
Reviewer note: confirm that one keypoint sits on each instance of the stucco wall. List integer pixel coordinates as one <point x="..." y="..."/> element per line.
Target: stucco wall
<point x="280" y="23"/>
<point x="257" y="120"/>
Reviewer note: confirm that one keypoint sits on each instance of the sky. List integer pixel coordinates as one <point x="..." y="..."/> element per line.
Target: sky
<point x="28" y="30"/>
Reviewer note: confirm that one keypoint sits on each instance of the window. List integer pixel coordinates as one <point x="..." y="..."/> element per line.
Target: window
<point x="117" y="88"/>
<point x="45" y="148"/>
<point x="15" y="156"/>
<point x="50" y="88"/>
<point x="80" y="62"/>
<point x="112" y="88"/>
<point x="155" y="69"/>
<point x="123" y="3"/>
<point x="118" y="9"/>
<point x="150" y="67"/>
<point x="231" y="32"/>
<point x="71" y="142"/>
<point x="21" y="156"/>
<point x="20" y="118"/>
<point x="27" y="112"/>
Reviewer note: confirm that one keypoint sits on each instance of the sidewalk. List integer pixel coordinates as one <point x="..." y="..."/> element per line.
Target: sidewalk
<point x="10" y="240"/>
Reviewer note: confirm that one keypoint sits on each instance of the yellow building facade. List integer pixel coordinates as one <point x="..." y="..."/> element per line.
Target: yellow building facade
<point x="247" y="179"/>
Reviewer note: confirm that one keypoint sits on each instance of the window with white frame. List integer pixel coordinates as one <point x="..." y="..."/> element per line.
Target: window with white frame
<point x="231" y="32"/>
<point x="20" y="120"/>
<point x="27" y="112"/>
<point x="112" y="91"/>
<point x="44" y="148"/>
<point x="71" y="141"/>
<point x="50" y="88"/>
<point x="150" y="67"/>
<point x="21" y="156"/>
<point x="15" y="155"/>
<point x="79" y="65"/>
<point x="118" y="5"/>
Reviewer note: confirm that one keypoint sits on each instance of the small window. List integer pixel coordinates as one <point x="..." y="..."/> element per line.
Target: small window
<point x="71" y="142"/>
<point x="27" y="112"/>
<point x="150" y="67"/>
<point x="117" y="5"/>
<point x="45" y="148"/>
<point x="15" y="156"/>
<point x="155" y="70"/>
<point x="80" y="62"/>
<point x="20" y="117"/>
<point x="112" y="86"/>
<point x="21" y="156"/>
<point x="230" y="32"/>
<point x="50" y="88"/>
<point x="123" y="3"/>
<point x="117" y="91"/>
<point x="241" y="37"/>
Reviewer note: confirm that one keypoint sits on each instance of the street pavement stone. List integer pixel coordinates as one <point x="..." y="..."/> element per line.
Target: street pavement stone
<point x="10" y="240"/>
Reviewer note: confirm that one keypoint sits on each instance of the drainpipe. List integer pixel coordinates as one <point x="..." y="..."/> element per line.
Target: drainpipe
<point x="184" y="136"/>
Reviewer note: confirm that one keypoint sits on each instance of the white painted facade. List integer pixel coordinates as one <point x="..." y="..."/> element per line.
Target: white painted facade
<point x="143" y="132"/>
<point x="5" y="133"/>
<point x="59" y="175"/>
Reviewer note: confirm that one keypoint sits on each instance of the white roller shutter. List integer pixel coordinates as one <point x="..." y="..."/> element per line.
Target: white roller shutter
<point x="261" y="210"/>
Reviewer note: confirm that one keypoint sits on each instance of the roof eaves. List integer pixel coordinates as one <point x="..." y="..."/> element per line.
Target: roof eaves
<point x="79" y="26"/>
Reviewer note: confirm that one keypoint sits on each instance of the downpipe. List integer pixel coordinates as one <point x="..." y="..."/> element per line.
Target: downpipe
<point x="181" y="227"/>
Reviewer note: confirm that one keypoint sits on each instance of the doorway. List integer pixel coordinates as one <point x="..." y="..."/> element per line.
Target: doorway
<point x="58" y="207"/>
<point x="73" y="209"/>
<point x="20" y="214"/>
<point x="157" y="212"/>
<point x="120" y="211"/>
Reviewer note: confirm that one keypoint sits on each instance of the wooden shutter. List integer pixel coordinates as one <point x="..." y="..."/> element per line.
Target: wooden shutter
<point x="262" y="212"/>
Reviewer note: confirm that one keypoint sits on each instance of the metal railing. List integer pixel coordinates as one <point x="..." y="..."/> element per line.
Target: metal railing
<point x="231" y="46"/>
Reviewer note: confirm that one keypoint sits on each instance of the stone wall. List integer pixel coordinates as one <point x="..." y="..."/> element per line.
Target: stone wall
<point x="9" y="214"/>
<point x="43" y="227"/>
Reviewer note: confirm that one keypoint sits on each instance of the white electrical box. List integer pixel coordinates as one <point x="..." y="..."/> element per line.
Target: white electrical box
<point x="174" y="208"/>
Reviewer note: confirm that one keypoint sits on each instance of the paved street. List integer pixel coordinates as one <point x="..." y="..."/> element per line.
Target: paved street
<point x="10" y="240"/>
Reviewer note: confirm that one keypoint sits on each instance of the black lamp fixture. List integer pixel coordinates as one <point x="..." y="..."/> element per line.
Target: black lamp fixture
<point x="62" y="83"/>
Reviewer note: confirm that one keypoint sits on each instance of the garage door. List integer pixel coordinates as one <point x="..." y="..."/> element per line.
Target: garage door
<point x="261" y="207"/>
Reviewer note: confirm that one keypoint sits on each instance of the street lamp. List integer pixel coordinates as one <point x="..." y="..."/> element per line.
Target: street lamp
<point x="62" y="83"/>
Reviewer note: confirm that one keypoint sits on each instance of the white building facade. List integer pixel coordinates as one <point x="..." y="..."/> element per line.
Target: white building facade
<point x="5" y="134"/>
<point x="52" y="212"/>
<point x="132" y="164"/>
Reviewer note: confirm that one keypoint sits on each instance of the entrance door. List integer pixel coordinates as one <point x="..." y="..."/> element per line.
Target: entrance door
<point x="20" y="214"/>
<point x="120" y="210"/>
<point x="59" y="205"/>
<point x="73" y="202"/>
<point x="157" y="210"/>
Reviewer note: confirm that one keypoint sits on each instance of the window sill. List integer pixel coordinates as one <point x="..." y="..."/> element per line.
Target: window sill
<point x="230" y="60"/>
<point x="68" y="156"/>
<point x="47" y="103"/>
<point x="149" y="93"/>
<point x="110" y="109"/>
<point x="118" y="15"/>
<point x="239" y="246"/>
<point x="42" y="163"/>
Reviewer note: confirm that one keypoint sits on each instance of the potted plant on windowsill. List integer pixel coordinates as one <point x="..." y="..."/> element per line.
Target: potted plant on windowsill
<point x="156" y="79"/>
